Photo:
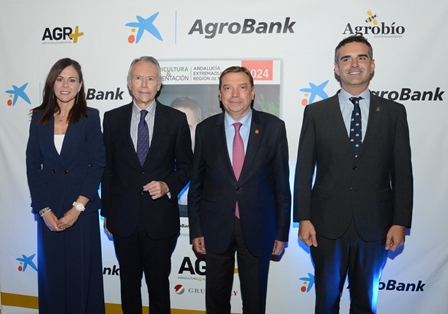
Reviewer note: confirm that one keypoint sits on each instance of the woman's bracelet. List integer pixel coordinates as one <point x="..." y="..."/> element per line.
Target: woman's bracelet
<point x="44" y="211"/>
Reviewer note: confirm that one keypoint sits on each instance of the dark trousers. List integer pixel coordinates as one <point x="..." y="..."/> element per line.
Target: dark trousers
<point x="253" y="275"/>
<point x="362" y="261"/>
<point x="137" y="254"/>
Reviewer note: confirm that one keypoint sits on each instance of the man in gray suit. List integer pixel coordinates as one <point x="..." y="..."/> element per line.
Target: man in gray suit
<point x="356" y="145"/>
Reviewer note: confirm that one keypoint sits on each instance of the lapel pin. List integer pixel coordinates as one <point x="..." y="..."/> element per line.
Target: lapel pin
<point x="256" y="131"/>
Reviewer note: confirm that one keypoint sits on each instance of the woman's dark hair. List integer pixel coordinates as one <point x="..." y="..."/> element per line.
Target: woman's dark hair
<point x="49" y="105"/>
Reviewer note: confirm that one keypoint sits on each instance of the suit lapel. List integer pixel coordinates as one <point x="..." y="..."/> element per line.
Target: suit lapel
<point x="48" y="131"/>
<point x="125" y="130"/>
<point x="255" y="135"/>
<point x="160" y="124"/>
<point x="372" y="125"/>
<point x="337" y="124"/>
<point x="221" y="145"/>
<point x="70" y="137"/>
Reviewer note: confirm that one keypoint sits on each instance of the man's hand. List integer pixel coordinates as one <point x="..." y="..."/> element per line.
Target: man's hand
<point x="395" y="237"/>
<point x="105" y="228"/>
<point x="307" y="233"/>
<point x="199" y="245"/>
<point x="156" y="189"/>
<point x="279" y="246"/>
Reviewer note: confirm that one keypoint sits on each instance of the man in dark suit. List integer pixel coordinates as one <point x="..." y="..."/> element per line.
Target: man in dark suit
<point x="148" y="161"/>
<point x="239" y="198"/>
<point x="356" y="145"/>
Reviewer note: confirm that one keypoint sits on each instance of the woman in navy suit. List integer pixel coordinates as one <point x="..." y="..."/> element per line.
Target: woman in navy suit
<point x="65" y="160"/>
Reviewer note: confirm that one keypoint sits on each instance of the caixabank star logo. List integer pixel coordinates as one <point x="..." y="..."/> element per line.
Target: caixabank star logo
<point x="313" y="91"/>
<point x="15" y="93"/>
<point x="140" y="26"/>
<point x="26" y="261"/>
<point x="61" y="35"/>
<point x="308" y="283"/>
<point x="373" y="24"/>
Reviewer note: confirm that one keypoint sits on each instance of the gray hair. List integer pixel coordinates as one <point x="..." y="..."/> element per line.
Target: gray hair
<point x="146" y="59"/>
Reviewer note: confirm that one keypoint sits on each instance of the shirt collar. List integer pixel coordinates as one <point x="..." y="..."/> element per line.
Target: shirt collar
<point x="151" y="108"/>
<point x="228" y="121"/>
<point x="344" y="95"/>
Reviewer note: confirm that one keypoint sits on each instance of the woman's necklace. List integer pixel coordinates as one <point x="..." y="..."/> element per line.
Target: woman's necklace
<point x="61" y="119"/>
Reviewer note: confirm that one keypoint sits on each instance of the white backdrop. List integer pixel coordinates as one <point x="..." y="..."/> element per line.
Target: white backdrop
<point x="410" y="47"/>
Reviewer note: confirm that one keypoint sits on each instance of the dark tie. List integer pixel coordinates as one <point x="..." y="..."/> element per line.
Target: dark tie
<point x="143" y="138"/>
<point x="237" y="157"/>
<point x="355" y="126"/>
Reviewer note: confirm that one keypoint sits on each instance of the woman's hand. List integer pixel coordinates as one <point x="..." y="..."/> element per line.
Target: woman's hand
<point x="51" y="221"/>
<point x="71" y="216"/>
<point x="68" y="219"/>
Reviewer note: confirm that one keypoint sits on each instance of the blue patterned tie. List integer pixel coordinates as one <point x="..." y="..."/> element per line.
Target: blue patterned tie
<point x="143" y="138"/>
<point x="355" y="126"/>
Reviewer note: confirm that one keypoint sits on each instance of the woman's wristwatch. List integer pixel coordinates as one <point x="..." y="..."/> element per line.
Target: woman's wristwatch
<point x="79" y="207"/>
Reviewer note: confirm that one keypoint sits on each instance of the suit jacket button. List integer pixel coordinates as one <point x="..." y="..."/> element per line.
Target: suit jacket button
<point x="142" y="173"/>
<point x="141" y="193"/>
<point x="65" y="171"/>
<point x="237" y="188"/>
<point x="54" y="170"/>
<point x="355" y="168"/>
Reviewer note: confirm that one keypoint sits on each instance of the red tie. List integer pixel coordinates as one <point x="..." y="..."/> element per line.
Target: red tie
<point x="237" y="157"/>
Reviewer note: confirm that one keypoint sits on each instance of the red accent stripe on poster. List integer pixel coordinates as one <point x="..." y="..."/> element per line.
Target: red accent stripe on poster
<point x="261" y="70"/>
